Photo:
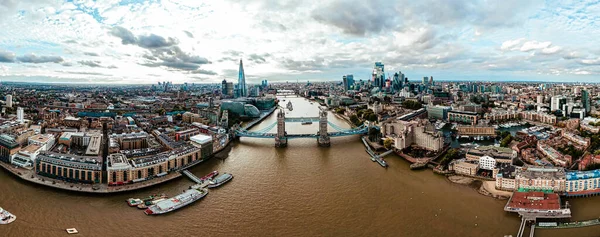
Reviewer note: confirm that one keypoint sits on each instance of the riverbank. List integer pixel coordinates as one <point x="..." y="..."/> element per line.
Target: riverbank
<point x="31" y="176"/>
<point x="486" y="188"/>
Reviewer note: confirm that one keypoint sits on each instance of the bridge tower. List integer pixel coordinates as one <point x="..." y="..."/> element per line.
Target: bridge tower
<point x="281" y="138"/>
<point x="323" y="137"/>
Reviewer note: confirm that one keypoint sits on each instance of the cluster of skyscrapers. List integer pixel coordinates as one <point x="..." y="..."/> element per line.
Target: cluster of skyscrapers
<point x="380" y="82"/>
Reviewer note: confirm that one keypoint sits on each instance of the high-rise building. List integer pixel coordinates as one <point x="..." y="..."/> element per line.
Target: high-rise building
<point x="425" y="79"/>
<point x="9" y="101"/>
<point x="224" y="87"/>
<point x="585" y="100"/>
<point x="378" y="75"/>
<point x="431" y="80"/>
<point x="20" y="114"/>
<point x="540" y="99"/>
<point x="348" y="82"/>
<point x="243" y="90"/>
<point x="557" y="102"/>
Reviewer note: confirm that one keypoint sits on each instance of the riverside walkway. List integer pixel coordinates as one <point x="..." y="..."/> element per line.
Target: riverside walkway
<point x="567" y="225"/>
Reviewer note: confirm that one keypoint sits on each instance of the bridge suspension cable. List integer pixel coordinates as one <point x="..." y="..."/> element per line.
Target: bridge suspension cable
<point x="265" y="129"/>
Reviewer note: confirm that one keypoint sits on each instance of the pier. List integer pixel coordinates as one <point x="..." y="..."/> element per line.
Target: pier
<point x="191" y="176"/>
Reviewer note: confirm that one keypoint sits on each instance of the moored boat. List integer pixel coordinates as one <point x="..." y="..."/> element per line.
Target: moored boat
<point x="152" y="202"/>
<point x="174" y="203"/>
<point x="132" y="202"/>
<point x="6" y="217"/>
<point x="218" y="181"/>
<point x="306" y="123"/>
<point x="210" y="175"/>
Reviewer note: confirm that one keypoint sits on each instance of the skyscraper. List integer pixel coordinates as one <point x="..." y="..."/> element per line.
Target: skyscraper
<point x="431" y="80"/>
<point x="379" y="75"/>
<point x="20" y="114"/>
<point x="425" y="79"/>
<point x="9" y="101"/>
<point x="348" y="82"/>
<point x="243" y="90"/>
<point x="224" y="87"/>
<point x="557" y="102"/>
<point x="585" y="100"/>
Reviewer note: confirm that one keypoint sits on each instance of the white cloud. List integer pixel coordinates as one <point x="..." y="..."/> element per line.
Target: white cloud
<point x="512" y="44"/>
<point x="534" y="45"/>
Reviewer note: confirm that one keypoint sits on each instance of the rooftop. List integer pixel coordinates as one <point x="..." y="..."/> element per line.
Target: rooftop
<point x="534" y="201"/>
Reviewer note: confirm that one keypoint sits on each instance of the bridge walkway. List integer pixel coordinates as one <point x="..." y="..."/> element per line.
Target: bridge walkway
<point x="191" y="176"/>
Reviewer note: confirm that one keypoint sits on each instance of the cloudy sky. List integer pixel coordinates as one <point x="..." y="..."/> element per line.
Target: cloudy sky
<point x="131" y="41"/>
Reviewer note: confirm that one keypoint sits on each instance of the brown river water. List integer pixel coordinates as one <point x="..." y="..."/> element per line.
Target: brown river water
<point x="301" y="190"/>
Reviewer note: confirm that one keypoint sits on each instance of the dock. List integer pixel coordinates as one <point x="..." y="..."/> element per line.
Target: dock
<point x="191" y="176"/>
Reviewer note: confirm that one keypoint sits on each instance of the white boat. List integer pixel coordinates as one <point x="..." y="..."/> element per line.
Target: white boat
<point x="6" y="217"/>
<point x="218" y="181"/>
<point x="174" y="203"/>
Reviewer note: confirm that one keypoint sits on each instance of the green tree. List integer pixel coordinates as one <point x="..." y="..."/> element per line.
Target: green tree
<point x="410" y="104"/>
<point x="372" y="117"/>
<point x="506" y="141"/>
<point x="387" y="143"/>
<point x="354" y="119"/>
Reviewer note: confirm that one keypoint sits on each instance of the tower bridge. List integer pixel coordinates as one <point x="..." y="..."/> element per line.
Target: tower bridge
<point x="281" y="136"/>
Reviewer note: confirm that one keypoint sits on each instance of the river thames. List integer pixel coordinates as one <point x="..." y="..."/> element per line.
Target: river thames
<point x="301" y="190"/>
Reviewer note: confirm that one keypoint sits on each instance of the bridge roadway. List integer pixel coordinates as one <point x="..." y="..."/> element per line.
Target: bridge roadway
<point x="302" y="119"/>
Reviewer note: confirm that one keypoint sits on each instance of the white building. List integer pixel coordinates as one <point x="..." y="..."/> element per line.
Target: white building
<point x="20" y="114"/>
<point x="45" y="141"/>
<point x="26" y="156"/>
<point x="487" y="163"/>
<point x="9" y="101"/>
<point x="557" y="101"/>
<point x="416" y="132"/>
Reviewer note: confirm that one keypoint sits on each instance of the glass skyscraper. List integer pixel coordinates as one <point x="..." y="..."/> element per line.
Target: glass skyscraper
<point x="243" y="90"/>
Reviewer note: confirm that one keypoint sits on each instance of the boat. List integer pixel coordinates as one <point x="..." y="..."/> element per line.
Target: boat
<point x="132" y="202"/>
<point x="210" y="175"/>
<point x="179" y="201"/>
<point x="6" y="217"/>
<point x="155" y="201"/>
<point x="306" y="123"/>
<point x="142" y="206"/>
<point x="218" y="181"/>
<point x="289" y="106"/>
<point x="72" y="231"/>
<point x="382" y="162"/>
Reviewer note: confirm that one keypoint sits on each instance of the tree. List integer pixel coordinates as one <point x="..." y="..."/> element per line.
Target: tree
<point x="452" y="154"/>
<point x="387" y="143"/>
<point x="354" y="119"/>
<point x="372" y="117"/>
<point x="506" y="141"/>
<point x="411" y="104"/>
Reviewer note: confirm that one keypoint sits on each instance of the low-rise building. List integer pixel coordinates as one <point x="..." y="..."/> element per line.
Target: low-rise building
<point x="26" y="156"/>
<point x="417" y="132"/>
<point x="487" y="163"/>
<point x="582" y="183"/>
<point x="463" y="117"/>
<point x="71" y="168"/>
<point x="500" y="154"/>
<point x="541" y="179"/>
<point x="464" y="167"/>
<point x="45" y="141"/>
<point x="8" y="147"/>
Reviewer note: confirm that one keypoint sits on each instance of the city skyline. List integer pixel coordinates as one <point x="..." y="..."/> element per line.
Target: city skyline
<point x="143" y="42"/>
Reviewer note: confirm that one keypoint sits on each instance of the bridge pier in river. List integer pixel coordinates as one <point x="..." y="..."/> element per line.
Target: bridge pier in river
<point x="281" y="137"/>
<point x="323" y="138"/>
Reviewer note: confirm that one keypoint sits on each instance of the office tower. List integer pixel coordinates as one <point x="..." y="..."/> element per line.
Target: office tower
<point x="431" y="80"/>
<point x="243" y="90"/>
<point x="425" y="79"/>
<point x="224" y="87"/>
<point x="557" y="102"/>
<point x="348" y="82"/>
<point x="379" y="75"/>
<point x="20" y="114"/>
<point x="585" y="100"/>
<point x="9" y="101"/>
<point x="540" y="99"/>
